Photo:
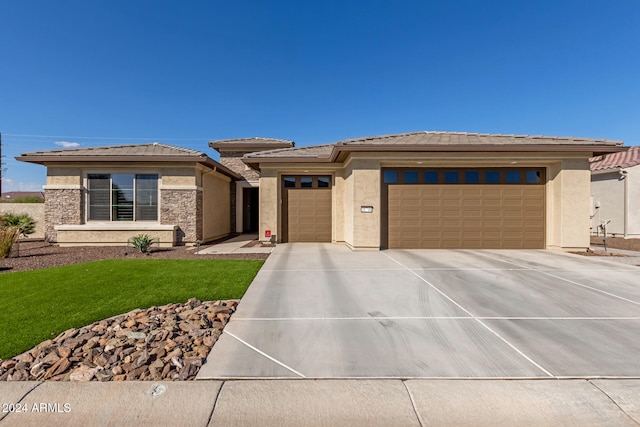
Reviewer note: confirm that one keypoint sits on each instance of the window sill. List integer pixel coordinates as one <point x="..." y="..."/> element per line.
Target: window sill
<point x="114" y="226"/>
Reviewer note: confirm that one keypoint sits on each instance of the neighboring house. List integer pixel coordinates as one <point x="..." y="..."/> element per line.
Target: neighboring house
<point x="615" y="193"/>
<point x="413" y="190"/>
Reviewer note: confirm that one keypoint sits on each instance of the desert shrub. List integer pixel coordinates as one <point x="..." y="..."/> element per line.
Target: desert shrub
<point x="141" y="242"/>
<point x="23" y="222"/>
<point x="8" y="236"/>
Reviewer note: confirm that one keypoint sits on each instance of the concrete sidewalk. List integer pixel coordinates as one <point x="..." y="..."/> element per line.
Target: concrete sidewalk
<point x="323" y="403"/>
<point x="235" y="245"/>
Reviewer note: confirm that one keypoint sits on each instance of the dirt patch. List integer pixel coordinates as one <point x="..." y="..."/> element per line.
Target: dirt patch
<point x="617" y="243"/>
<point x="590" y="252"/>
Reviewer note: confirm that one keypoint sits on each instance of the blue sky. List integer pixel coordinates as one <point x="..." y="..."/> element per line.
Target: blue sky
<point x="115" y="72"/>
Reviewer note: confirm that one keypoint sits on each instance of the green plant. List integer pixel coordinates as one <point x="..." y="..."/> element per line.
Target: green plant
<point x="141" y="242"/>
<point x="38" y="304"/>
<point x="8" y="236"/>
<point x="23" y="222"/>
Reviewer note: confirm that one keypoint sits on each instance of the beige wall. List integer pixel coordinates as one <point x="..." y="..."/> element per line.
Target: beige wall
<point x="364" y="190"/>
<point x="73" y="175"/>
<point x="619" y="199"/>
<point x="113" y="235"/>
<point x="574" y="218"/>
<point x="216" y="210"/>
<point x="269" y="203"/>
<point x="34" y="210"/>
<point x="338" y="207"/>
<point x="607" y="191"/>
<point x="633" y="201"/>
<point x="357" y="183"/>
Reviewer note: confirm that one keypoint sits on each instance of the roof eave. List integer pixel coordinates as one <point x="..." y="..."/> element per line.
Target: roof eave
<point x="248" y="147"/>
<point x="205" y="160"/>
<point x="596" y="150"/>
<point x="599" y="149"/>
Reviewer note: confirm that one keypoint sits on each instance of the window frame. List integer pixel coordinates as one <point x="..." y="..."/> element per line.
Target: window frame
<point x="135" y="190"/>
<point x="441" y="174"/>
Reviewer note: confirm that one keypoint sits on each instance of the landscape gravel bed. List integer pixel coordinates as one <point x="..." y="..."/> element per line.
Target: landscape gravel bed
<point x="170" y="342"/>
<point x="160" y="343"/>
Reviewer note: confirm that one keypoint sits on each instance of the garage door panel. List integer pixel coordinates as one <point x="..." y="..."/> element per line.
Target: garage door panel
<point x="309" y="215"/>
<point x="466" y="216"/>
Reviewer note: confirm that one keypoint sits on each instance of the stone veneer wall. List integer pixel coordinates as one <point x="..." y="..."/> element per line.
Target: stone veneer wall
<point x="233" y="160"/>
<point x="184" y="209"/>
<point x="62" y="207"/>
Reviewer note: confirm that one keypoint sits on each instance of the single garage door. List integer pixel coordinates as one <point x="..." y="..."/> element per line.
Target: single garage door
<point x="308" y="208"/>
<point x="467" y="215"/>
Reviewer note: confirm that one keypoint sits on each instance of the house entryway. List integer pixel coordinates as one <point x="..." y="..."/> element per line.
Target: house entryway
<point x="250" y="209"/>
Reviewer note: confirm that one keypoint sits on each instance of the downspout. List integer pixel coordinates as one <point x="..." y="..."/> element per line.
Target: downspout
<point x="625" y="177"/>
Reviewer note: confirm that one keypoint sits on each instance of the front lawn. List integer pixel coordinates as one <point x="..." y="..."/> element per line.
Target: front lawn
<point x="39" y="304"/>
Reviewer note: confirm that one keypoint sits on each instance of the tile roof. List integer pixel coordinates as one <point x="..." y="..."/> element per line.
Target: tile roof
<point x="623" y="159"/>
<point x="439" y="141"/>
<point x="464" y="138"/>
<point x="259" y="140"/>
<point x="149" y="149"/>
<point x="151" y="152"/>
<point x="308" y="151"/>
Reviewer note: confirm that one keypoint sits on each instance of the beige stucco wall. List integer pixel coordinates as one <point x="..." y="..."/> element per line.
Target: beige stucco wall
<point x="364" y="190"/>
<point x="34" y="210"/>
<point x="73" y="175"/>
<point x="338" y="207"/>
<point x="64" y="176"/>
<point x="633" y="201"/>
<point x="574" y="217"/>
<point x="113" y="234"/>
<point x="619" y="199"/>
<point x="216" y="210"/>
<point x="607" y="191"/>
<point x="269" y="203"/>
<point x="357" y="183"/>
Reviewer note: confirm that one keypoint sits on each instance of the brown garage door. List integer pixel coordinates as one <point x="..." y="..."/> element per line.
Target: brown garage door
<point x="466" y="216"/>
<point x="308" y="208"/>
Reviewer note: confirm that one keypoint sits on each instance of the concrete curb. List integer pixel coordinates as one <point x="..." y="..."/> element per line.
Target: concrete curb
<point x="323" y="402"/>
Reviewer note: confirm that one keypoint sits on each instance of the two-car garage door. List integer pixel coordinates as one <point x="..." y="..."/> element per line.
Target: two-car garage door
<point x="471" y="210"/>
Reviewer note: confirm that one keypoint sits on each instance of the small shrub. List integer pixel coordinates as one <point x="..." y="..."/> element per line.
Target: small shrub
<point x="141" y="242"/>
<point x="23" y="222"/>
<point x="8" y="236"/>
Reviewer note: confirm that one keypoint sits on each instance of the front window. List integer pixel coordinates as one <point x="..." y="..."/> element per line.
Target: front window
<point x="122" y="197"/>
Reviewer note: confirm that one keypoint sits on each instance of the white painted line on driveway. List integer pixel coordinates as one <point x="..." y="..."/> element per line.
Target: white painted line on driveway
<point x="264" y="354"/>
<point x="545" y="272"/>
<point x="474" y="317"/>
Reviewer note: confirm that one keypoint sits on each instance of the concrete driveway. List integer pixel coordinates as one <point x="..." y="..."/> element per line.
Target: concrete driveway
<point x="323" y="311"/>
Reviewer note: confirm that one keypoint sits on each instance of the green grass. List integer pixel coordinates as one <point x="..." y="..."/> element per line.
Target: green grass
<point x="39" y="304"/>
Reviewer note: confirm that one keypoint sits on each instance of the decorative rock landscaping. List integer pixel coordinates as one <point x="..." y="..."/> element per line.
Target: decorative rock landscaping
<point x="161" y="343"/>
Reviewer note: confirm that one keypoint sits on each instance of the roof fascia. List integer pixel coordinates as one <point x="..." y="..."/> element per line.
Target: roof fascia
<point x="341" y="151"/>
<point x="599" y="149"/>
<point x="205" y="160"/>
<point x="249" y="147"/>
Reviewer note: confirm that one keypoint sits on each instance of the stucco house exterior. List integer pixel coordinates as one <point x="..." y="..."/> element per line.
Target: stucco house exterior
<point x="615" y="193"/>
<point x="412" y="190"/>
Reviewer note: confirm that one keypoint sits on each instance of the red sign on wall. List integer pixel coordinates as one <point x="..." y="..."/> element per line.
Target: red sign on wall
<point x="267" y="233"/>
